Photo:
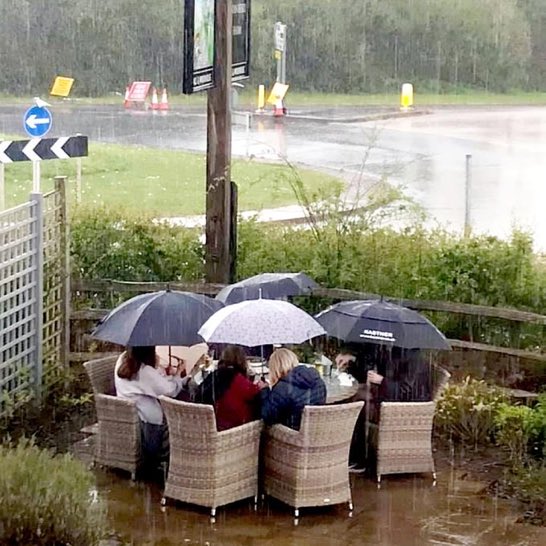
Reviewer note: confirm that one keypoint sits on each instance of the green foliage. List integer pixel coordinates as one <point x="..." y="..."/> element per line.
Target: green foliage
<point x="466" y="413"/>
<point x="537" y="429"/>
<point x="360" y="46"/>
<point x="109" y="244"/>
<point x="47" y="499"/>
<point x="513" y="424"/>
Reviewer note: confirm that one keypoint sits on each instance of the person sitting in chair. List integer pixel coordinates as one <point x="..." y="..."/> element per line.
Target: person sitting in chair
<point x="136" y="378"/>
<point x="292" y="387"/>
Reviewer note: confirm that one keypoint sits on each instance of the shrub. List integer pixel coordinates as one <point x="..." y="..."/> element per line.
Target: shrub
<point x="47" y="499"/>
<point x="466" y="412"/>
<point x="537" y="429"/>
<point x="513" y="426"/>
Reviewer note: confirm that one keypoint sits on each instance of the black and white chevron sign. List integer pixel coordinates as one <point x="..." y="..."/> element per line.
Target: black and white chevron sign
<point x="42" y="148"/>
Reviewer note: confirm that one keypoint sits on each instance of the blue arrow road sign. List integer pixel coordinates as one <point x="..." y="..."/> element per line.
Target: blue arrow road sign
<point x="37" y="121"/>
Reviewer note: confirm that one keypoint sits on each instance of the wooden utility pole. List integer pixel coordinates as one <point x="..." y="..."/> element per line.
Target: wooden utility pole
<point x="218" y="200"/>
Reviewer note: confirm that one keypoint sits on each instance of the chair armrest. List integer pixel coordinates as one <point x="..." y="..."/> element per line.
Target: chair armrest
<point x="248" y="429"/>
<point x="284" y="434"/>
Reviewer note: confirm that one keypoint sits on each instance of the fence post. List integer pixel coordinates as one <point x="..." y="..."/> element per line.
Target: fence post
<point x="60" y="188"/>
<point x="38" y="199"/>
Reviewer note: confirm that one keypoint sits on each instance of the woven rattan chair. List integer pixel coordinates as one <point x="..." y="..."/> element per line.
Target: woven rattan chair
<point x="207" y="467"/>
<point x="118" y="438"/>
<point x="404" y="438"/>
<point x="310" y="467"/>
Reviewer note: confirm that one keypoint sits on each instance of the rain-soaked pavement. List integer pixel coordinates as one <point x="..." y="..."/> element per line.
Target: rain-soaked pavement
<point x="426" y="153"/>
<point x="406" y="511"/>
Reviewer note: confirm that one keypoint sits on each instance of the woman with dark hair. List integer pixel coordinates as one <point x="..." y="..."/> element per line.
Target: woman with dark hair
<point x="233" y="395"/>
<point x="136" y="378"/>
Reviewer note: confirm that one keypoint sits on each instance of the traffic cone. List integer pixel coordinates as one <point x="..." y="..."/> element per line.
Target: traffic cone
<point x="279" y="110"/>
<point x="155" y="102"/>
<point x="126" y="101"/>
<point x="164" y="104"/>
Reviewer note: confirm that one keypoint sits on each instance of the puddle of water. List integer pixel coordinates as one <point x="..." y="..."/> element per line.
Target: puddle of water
<point x="406" y="511"/>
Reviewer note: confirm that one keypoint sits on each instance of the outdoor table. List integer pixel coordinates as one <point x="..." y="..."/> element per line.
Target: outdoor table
<point x="336" y="393"/>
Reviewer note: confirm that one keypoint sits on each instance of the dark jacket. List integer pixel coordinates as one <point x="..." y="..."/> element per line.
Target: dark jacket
<point x="284" y="403"/>
<point x="234" y="397"/>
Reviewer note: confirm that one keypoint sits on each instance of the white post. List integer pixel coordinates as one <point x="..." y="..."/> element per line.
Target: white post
<point x="2" y="188"/>
<point x="468" y="181"/>
<point x="36" y="176"/>
<point x="79" y="180"/>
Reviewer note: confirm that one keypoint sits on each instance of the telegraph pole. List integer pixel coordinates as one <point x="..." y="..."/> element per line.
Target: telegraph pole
<point x="218" y="198"/>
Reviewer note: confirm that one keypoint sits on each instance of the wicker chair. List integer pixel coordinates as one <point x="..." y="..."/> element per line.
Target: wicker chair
<point x="309" y="467"/>
<point x="207" y="467"/>
<point x="118" y="438"/>
<point x="404" y="438"/>
<point x="440" y="379"/>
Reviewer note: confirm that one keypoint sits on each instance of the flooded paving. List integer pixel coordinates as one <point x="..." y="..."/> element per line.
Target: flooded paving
<point x="406" y="511"/>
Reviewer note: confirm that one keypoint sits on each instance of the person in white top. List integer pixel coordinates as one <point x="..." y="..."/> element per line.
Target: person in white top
<point x="136" y="378"/>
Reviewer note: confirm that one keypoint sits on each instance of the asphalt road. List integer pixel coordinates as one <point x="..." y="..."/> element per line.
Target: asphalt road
<point x="425" y="154"/>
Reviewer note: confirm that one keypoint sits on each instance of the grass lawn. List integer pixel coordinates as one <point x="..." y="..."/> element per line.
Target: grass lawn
<point x="162" y="182"/>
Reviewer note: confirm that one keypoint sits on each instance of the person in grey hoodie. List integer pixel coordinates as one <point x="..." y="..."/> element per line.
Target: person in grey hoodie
<point x="292" y="386"/>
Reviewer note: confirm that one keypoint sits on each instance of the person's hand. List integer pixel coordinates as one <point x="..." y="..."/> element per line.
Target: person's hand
<point x="374" y="377"/>
<point x="262" y="384"/>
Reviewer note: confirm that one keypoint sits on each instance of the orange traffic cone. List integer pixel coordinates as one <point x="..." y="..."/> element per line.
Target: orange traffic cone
<point x="126" y="101"/>
<point x="155" y="103"/>
<point x="278" y="111"/>
<point x="164" y="104"/>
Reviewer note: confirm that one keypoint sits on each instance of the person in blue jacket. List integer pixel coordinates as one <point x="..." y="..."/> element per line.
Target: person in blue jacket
<point x="292" y="386"/>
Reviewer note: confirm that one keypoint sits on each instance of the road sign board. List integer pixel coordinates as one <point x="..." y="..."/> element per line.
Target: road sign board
<point x="62" y="86"/>
<point x="138" y="91"/>
<point x="42" y="148"/>
<point x="37" y="121"/>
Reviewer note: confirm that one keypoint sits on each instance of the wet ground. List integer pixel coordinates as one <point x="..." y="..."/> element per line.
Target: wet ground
<point x="406" y="511"/>
<point x="425" y="153"/>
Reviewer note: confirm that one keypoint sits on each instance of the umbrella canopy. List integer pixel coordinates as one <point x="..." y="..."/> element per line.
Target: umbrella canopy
<point x="267" y="285"/>
<point x="381" y="322"/>
<point x="260" y="322"/>
<point x="159" y="318"/>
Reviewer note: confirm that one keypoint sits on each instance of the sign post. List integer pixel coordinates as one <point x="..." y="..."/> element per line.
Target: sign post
<point x="218" y="195"/>
<point x="280" y="51"/>
<point x="37" y="123"/>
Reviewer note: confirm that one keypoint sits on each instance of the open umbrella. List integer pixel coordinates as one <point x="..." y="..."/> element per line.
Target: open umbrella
<point x="381" y="322"/>
<point x="158" y="318"/>
<point x="260" y="322"/>
<point x="267" y="285"/>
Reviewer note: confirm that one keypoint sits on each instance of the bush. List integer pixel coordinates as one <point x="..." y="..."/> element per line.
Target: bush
<point x="466" y="412"/>
<point x="47" y="499"/>
<point x="513" y="427"/>
<point x="537" y="429"/>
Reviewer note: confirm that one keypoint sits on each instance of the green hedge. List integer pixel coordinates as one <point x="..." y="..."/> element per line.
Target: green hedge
<point x="413" y="263"/>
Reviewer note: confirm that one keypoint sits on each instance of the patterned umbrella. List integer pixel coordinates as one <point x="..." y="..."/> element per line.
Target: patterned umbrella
<point x="260" y="322"/>
<point x="267" y="285"/>
<point x="158" y="318"/>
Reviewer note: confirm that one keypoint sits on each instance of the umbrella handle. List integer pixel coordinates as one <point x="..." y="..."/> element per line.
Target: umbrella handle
<point x="367" y="397"/>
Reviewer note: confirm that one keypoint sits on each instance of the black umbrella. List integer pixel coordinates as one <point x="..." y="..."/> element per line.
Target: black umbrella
<point x="269" y="286"/>
<point x="381" y="322"/>
<point x="159" y="318"/>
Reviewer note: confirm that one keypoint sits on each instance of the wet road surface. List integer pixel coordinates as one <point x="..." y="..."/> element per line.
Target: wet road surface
<point x="406" y="511"/>
<point x="425" y="154"/>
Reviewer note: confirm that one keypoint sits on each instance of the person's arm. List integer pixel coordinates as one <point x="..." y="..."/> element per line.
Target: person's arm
<point x="273" y="403"/>
<point x="158" y="384"/>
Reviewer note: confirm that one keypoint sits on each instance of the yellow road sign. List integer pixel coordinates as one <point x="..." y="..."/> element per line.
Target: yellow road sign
<point x="62" y="86"/>
<point x="277" y="93"/>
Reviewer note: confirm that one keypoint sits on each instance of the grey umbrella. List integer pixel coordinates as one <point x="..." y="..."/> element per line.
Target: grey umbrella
<point x="158" y="318"/>
<point x="268" y="286"/>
